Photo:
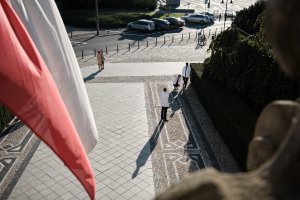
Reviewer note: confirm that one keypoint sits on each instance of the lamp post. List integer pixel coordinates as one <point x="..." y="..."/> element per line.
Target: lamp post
<point x="188" y="7"/>
<point x="97" y="17"/>
<point x="225" y="14"/>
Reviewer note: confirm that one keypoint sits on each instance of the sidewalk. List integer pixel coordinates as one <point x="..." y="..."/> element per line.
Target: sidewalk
<point x="160" y="53"/>
<point x="136" y="157"/>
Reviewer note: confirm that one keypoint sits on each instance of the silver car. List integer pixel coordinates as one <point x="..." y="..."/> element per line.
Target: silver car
<point x="197" y="18"/>
<point x="211" y="16"/>
<point x="142" y="25"/>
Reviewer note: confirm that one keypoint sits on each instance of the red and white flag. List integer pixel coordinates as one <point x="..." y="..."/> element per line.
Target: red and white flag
<point x="28" y="90"/>
<point x="46" y="28"/>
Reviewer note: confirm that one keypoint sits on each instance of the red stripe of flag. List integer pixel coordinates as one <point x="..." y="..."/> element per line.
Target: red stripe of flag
<point x="28" y="90"/>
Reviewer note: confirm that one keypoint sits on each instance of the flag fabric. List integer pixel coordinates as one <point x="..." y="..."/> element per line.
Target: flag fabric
<point x="28" y="90"/>
<point x="46" y="28"/>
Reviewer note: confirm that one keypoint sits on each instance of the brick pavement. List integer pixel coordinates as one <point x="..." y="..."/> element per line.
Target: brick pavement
<point x="136" y="157"/>
<point x="191" y="52"/>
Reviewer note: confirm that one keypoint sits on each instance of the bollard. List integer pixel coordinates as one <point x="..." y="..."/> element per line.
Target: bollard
<point x="182" y="36"/>
<point x="82" y="54"/>
<point x="172" y="38"/>
<point x="156" y="42"/>
<point x="209" y="32"/>
<point x="196" y="34"/>
<point x="94" y="52"/>
<point x="106" y="50"/>
<point x="147" y="43"/>
<point x="129" y="46"/>
<point x="164" y="39"/>
<point x="189" y="35"/>
<point x="117" y="48"/>
<point x="138" y="44"/>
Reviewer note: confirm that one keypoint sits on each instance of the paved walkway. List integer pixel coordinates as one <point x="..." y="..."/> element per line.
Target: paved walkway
<point x="137" y="156"/>
<point x="192" y="52"/>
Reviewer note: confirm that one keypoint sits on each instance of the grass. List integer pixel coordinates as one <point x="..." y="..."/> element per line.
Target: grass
<point x="87" y="19"/>
<point x="233" y="119"/>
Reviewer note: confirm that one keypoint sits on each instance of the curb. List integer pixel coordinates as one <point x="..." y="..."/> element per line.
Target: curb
<point x="108" y="33"/>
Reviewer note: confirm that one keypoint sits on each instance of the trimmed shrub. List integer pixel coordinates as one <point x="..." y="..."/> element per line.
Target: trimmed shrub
<point x="241" y="67"/>
<point x="233" y="119"/>
<point x="87" y="18"/>
<point x="245" y="64"/>
<point x="104" y="4"/>
<point x="246" y="18"/>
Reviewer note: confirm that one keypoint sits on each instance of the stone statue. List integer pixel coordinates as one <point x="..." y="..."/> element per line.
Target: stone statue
<point x="274" y="153"/>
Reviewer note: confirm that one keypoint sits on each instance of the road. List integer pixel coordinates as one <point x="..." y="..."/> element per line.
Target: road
<point x="87" y="43"/>
<point x="216" y="6"/>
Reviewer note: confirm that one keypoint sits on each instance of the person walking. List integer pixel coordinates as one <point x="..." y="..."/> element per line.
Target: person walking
<point x="101" y="59"/>
<point x="164" y="101"/>
<point x="186" y="72"/>
<point x="176" y="82"/>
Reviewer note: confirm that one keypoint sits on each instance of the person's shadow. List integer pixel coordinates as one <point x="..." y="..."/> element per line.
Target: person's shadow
<point x="147" y="149"/>
<point x="91" y="76"/>
<point x="174" y="101"/>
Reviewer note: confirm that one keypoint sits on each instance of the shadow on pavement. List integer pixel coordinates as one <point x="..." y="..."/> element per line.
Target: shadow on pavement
<point x="83" y="40"/>
<point x="174" y="105"/>
<point x="91" y="76"/>
<point x="177" y="99"/>
<point x="139" y="35"/>
<point x="147" y="149"/>
<point x="197" y="25"/>
<point x="193" y="140"/>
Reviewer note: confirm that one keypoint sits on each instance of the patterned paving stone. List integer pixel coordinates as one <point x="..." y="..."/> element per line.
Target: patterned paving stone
<point x="136" y="156"/>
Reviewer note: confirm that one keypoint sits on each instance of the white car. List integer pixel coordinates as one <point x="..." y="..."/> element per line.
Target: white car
<point x="142" y="25"/>
<point x="197" y="18"/>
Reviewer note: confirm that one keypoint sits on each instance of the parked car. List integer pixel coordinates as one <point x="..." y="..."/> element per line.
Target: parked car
<point x="211" y="16"/>
<point x="197" y="18"/>
<point x="142" y="25"/>
<point x="161" y="24"/>
<point x="175" y="22"/>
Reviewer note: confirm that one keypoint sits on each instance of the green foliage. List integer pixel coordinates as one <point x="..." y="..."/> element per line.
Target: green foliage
<point x="245" y="64"/>
<point x="87" y="18"/>
<point x="104" y="4"/>
<point x="231" y="116"/>
<point x="5" y="117"/>
<point x="246" y="18"/>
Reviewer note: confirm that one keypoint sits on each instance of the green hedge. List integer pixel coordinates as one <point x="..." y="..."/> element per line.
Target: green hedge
<point x="86" y="18"/>
<point x="233" y="119"/>
<point x="104" y="4"/>
<point x="5" y="117"/>
<point x="246" y="18"/>
<point x="246" y="64"/>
